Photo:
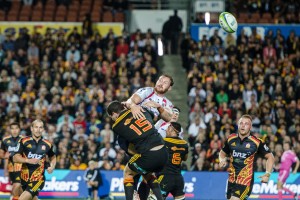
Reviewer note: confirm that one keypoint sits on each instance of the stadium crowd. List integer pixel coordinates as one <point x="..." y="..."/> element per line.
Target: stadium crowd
<point x="67" y="81"/>
<point x="230" y="77"/>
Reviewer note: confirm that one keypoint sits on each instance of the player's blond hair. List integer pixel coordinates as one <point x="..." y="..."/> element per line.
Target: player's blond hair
<point x="247" y="117"/>
<point x="37" y="121"/>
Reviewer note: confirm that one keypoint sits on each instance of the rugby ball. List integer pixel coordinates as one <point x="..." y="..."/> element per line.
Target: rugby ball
<point x="228" y="22"/>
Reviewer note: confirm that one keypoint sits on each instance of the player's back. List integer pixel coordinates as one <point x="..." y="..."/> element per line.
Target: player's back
<point x="140" y="132"/>
<point x="287" y="159"/>
<point x="177" y="149"/>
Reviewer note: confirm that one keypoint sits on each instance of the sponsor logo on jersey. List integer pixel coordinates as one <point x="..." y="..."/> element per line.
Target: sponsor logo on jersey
<point x="248" y="145"/>
<point x="29" y="146"/>
<point x="43" y="147"/>
<point x="233" y="144"/>
<point x="238" y="154"/>
<point x="174" y="148"/>
<point x="34" y="155"/>
<point x="266" y="147"/>
<point x="13" y="149"/>
<point x="8" y="141"/>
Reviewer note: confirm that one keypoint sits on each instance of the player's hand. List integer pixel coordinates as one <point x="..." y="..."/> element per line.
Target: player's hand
<point x="137" y="112"/>
<point x="222" y="162"/>
<point x="32" y="161"/>
<point x="264" y="178"/>
<point x="6" y="155"/>
<point x="6" y="173"/>
<point x="152" y="104"/>
<point x="50" y="170"/>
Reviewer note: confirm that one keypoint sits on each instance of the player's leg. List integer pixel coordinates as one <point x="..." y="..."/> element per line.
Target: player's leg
<point x="16" y="184"/>
<point x="154" y="185"/>
<point x="143" y="190"/>
<point x="25" y="196"/>
<point x="129" y="182"/>
<point x="283" y="175"/>
<point x="240" y="192"/>
<point x="16" y="191"/>
<point x="178" y="185"/>
<point x="95" y="193"/>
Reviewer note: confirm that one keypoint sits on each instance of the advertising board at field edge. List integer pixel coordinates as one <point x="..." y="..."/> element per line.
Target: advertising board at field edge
<point x="198" y="185"/>
<point x="197" y="31"/>
<point x="15" y="27"/>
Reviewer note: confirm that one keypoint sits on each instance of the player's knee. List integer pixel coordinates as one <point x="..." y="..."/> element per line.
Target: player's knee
<point x="128" y="181"/>
<point x="150" y="178"/>
<point x="128" y="172"/>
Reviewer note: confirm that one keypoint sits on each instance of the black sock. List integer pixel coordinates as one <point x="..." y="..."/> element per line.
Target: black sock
<point x="129" y="188"/>
<point x="154" y="185"/>
<point x="144" y="190"/>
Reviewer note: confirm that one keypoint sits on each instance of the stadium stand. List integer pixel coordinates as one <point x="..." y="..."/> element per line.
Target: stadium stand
<point x="68" y="80"/>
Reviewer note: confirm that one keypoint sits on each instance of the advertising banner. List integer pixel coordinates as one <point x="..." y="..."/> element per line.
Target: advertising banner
<point x="209" y="6"/>
<point x="15" y="27"/>
<point x="197" y="31"/>
<point x="198" y="185"/>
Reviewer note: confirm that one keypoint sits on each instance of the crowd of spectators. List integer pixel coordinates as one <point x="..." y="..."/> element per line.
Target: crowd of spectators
<point x="230" y="77"/>
<point x="67" y="80"/>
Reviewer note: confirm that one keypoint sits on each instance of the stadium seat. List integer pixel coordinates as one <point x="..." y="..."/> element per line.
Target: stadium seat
<point x="48" y="16"/>
<point x="72" y="17"/>
<point x="255" y="15"/>
<point x="107" y="16"/>
<point x="242" y="20"/>
<point x="264" y="21"/>
<point x="2" y="15"/>
<point x="252" y="21"/>
<point x="267" y="16"/>
<point x="119" y="17"/>
<point x="24" y="18"/>
<point x="36" y="17"/>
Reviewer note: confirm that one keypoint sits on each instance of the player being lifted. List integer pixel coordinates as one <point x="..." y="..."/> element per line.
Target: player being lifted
<point x="32" y="153"/>
<point x="156" y="94"/>
<point x="9" y="147"/>
<point x="151" y="154"/>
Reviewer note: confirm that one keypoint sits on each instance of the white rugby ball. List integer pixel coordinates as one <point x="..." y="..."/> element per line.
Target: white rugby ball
<point x="228" y="22"/>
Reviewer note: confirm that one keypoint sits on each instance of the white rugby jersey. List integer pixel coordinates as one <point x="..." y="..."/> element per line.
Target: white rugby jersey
<point x="148" y="94"/>
<point x="162" y="126"/>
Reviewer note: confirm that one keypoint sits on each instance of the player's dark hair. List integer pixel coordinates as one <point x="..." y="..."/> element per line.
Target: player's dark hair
<point x="14" y="124"/>
<point x="170" y="77"/>
<point x="114" y="107"/>
<point x="176" y="126"/>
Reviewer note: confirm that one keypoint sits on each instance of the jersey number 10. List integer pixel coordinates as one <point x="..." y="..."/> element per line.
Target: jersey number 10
<point x="140" y="125"/>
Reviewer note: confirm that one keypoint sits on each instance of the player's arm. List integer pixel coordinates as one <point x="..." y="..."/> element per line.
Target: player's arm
<point x="132" y="104"/>
<point x="18" y="158"/>
<point x="222" y="158"/>
<point x="52" y="164"/>
<point x="4" y="154"/>
<point x="52" y="158"/>
<point x="185" y="157"/>
<point x="264" y="150"/>
<point x="296" y="167"/>
<point x="165" y="114"/>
